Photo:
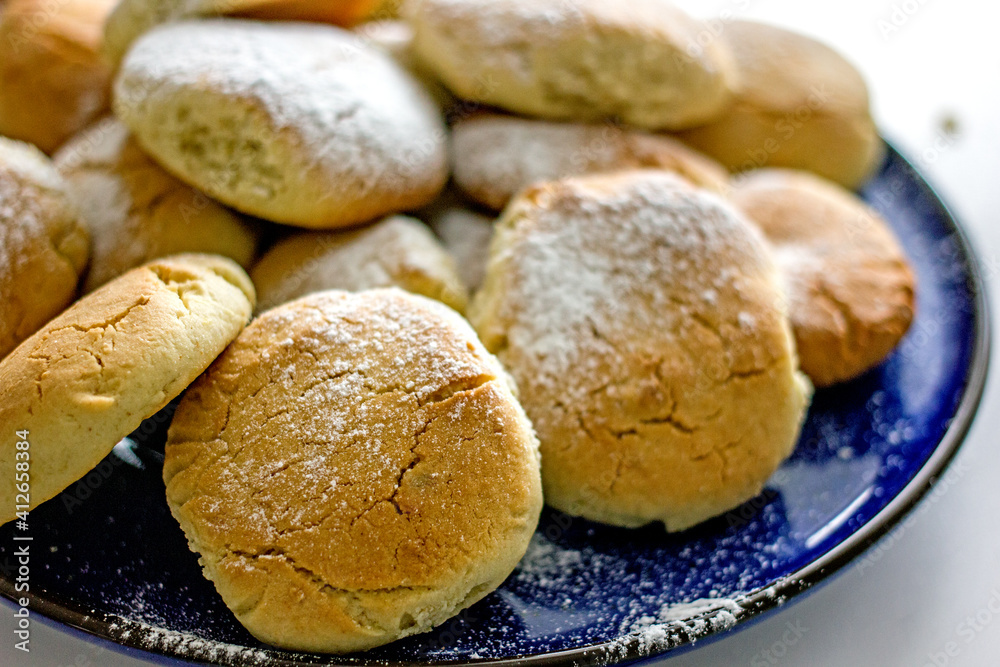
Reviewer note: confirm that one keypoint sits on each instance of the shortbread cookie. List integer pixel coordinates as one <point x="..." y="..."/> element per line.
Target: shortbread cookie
<point x="579" y="60"/>
<point x="53" y="81"/>
<point x="644" y="324"/>
<point x="496" y="156"/>
<point x="133" y="18"/>
<point x="850" y="288"/>
<point x="43" y="243"/>
<point x="137" y="212"/>
<point x="396" y="252"/>
<point x="800" y="104"/>
<point x="300" y="124"/>
<point x="354" y="469"/>
<point x="90" y="376"/>
<point x="466" y="235"/>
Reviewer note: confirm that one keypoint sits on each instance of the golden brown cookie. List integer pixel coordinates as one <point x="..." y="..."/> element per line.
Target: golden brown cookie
<point x="302" y="124"/>
<point x="353" y="469"/>
<point x="395" y="252"/>
<point x="851" y="290"/>
<point x="799" y="104"/>
<point x="137" y="212"/>
<point x="43" y="243"/>
<point x="132" y="18"/>
<point x="496" y="156"/>
<point x="579" y="60"/>
<point x="90" y="376"/>
<point x="644" y="324"/>
<point x="53" y="82"/>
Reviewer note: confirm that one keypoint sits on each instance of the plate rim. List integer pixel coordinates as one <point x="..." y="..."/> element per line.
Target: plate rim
<point x="629" y="648"/>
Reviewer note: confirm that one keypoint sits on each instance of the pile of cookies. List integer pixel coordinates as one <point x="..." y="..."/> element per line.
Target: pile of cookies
<point x="285" y="211"/>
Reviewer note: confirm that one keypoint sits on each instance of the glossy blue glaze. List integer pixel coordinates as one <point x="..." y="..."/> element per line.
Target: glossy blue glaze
<point x="108" y="548"/>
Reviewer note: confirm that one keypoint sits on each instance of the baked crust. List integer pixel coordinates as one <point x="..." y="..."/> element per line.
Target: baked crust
<point x="90" y="376"/>
<point x="643" y="322"/>
<point x="137" y="212"/>
<point x="44" y="245"/>
<point x="850" y="287"/>
<point x="354" y="469"/>
<point x="395" y="252"/>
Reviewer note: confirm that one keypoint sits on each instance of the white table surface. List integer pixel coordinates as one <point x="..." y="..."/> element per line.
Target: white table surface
<point x="916" y="604"/>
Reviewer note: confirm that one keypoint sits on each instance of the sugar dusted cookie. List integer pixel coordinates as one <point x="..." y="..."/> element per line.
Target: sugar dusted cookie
<point x="850" y="287"/>
<point x="137" y="212"/>
<point x="300" y="124"/>
<point x="352" y="470"/>
<point x="644" y="324"/>
<point x="579" y="60"/>
<point x="395" y="252"/>
<point x="119" y="355"/>
<point x="44" y="245"/>
<point x="496" y="156"/>
<point x="799" y="105"/>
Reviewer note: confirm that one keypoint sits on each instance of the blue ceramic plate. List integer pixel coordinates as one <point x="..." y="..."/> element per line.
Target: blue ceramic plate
<point x="108" y="558"/>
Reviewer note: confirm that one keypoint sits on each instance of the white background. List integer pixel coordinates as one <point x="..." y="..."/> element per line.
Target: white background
<point x="911" y="606"/>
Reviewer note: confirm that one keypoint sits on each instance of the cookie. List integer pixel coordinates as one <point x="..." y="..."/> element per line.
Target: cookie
<point x="466" y="236"/>
<point x="44" y="245"/>
<point x="352" y="470"/>
<point x="496" y="156"/>
<point x="799" y="104"/>
<point x="137" y="212"/>
<point x="851" y="290"/>
<point x="90" y="376"/>
<point x="53" y="82"/>
<point x="133" y="18"/>
<point x="299" y="124"/>
<point x="396" y="38"/>
<point x="396" y="252"/>
<point x="580" y="60"/>
<point x="644" y="324"/>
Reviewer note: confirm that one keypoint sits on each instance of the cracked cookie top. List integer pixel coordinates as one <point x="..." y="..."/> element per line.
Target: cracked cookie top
<point x="44" y="245"/>
<point x="850" y="287"/>
<point x="90" y="376"/>
<point x="643" y="322"/>
<point x="354" y="469"/>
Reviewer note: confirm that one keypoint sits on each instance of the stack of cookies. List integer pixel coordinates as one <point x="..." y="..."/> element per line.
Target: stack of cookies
<point x="285" y="210"/>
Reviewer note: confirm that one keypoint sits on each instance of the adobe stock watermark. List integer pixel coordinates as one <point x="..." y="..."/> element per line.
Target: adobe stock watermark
<point x="22" y="541"/>
<point x="772" y="655"/>
<point x="900" y="14"/>
<point x="966" y="632"/>
<point x="948" y="481"/>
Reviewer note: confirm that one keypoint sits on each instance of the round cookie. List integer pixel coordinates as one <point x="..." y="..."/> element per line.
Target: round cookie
<point x="466" y="235"/>
<point x="295" y="123"/>
<point x="352" y="470"/>
<point x="496" y="156"/>
<point x="644" y="324"/>
<point x="396" y="252"/>
<point x="53" y="82"/>
<point x="44" y="245"/>
<point x="132" y="18"/>
<point x="799" y="104"/>
<point x="90" y="376"/>
<point x="850" y="288"/>
<point x="136" y="212"/>
<point x="580" y="60"/>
